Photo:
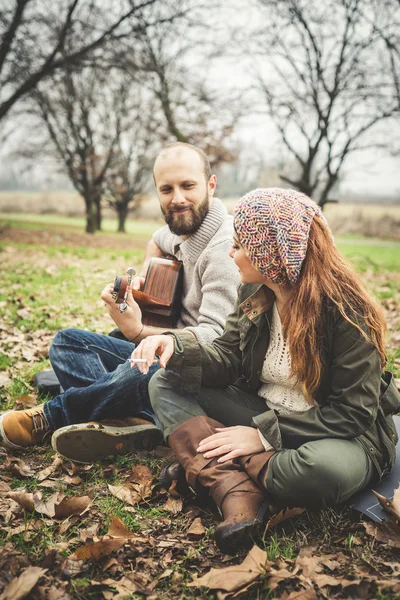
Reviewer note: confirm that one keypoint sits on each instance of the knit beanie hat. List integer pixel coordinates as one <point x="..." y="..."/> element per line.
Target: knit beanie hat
<point x="273" y="225"/>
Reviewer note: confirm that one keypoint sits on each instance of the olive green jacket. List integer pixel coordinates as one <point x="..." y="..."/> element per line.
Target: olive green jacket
<point x="354" y="399"/>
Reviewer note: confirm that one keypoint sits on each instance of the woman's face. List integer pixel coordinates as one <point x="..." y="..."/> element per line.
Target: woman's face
<point x="248" y="273"/>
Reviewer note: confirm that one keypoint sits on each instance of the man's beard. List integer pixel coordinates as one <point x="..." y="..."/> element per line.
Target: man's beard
<point x="188" y="222"/>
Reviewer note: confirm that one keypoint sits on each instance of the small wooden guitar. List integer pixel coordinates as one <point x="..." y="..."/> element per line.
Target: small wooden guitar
<point x="160" y="298"/>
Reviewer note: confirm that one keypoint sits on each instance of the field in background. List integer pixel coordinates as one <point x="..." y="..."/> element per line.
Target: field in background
<point x="372" y="220"/>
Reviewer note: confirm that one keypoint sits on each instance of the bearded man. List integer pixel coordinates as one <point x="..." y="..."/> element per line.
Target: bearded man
<point x="105" y="407"/>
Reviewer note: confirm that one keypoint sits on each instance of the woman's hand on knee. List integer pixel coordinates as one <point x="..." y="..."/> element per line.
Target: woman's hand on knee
<point x="154" y="345"/>
<point x="231" y="442"/>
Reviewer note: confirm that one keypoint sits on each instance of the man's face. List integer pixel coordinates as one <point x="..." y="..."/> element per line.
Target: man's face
<point x="182" y="189"/>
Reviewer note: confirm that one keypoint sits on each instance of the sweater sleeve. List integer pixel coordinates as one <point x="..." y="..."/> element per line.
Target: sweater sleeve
<point x="218" y="277"/>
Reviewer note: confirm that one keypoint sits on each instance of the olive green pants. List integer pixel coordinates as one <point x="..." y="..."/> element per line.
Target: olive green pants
<point x="321" y="473"/>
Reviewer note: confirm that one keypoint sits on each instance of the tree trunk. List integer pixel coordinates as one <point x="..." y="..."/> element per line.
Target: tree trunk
<point x="122" y="211"/>
<point x="97" y="204"/>
<point x="90" y="217"/>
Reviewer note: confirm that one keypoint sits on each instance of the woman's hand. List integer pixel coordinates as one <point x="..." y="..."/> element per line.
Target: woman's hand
<point x="154" y="345"/>
<point x="231" y="442"/>
<point x="129" y="321"/>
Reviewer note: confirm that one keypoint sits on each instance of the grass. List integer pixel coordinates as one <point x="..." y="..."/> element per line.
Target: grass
<point x="44" y="287"/>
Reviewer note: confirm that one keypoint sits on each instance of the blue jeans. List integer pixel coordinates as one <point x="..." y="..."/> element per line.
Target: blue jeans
<point x="98" y="381"/>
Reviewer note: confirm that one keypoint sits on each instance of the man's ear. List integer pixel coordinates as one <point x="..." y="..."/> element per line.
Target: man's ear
<point x="212" y="184"/>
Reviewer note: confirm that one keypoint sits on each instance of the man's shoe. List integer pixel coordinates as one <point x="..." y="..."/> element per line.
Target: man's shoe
<point x="20" y="429"/>
<point x="88" y="442"/>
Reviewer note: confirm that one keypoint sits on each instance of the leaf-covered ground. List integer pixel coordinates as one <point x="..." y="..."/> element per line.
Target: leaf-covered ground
<point x="107" y="530"/>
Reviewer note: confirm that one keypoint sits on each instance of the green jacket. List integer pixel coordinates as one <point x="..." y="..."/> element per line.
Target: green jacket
<point x="354" y="399"/>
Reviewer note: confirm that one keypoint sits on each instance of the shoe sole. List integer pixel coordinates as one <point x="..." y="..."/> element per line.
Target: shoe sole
<point x="89" y="443"/>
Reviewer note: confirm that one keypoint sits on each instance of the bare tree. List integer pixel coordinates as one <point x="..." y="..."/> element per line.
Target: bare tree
<point x="39" y="38"/>
<point x="85" y="115"/>
<point x="328" y="77"/>
<point x="177" y="73"/>
<point x="130" y="170"/>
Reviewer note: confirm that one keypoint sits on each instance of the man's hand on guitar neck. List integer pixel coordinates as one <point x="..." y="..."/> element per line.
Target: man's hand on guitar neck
<point x="129" y="321"/>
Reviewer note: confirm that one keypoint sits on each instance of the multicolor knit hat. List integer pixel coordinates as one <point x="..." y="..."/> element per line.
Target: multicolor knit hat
<point x="273" y="225"/>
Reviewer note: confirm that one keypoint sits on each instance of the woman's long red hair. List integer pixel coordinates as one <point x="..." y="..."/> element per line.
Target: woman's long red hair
<point x="326" y="275"/>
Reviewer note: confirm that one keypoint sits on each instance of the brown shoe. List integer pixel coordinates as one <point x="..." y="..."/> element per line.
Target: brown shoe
<point x="20" y="429"/>
<point x="241" y="501"/>
<point x="89" y="442"/>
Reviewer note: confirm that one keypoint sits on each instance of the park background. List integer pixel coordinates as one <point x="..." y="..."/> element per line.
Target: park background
<point x="293" y="93"/>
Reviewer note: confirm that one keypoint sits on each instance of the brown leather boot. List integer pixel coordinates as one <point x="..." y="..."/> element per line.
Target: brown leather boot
<point x="256" y="466"/>
<point x="21" y="429"/>
<point x="240" y="500"/>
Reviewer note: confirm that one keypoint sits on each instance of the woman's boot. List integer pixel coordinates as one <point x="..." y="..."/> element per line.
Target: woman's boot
<point x="240" y="500"/>
<point x="256" y="466"/>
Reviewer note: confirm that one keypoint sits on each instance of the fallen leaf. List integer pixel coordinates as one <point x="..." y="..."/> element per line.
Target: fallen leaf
<point x="282" y="515"/>
<point x="173" y="505"/>
<point x="141" y="474"/>
<point x="196" y="528"/>
<point x="45" y="473"/>
<point x="117" y="529"/>
<point x="392" y="506"/>
<point x="126" y="493"/>
<point x="233" y="578"/>
<point x="26" y="401"/>
<point x="24" y="499"/>
<point x="21" y="586"/>
<point x="19" y="468"/>
<point x="387" y="532"/>
<point x="97" y="550"/>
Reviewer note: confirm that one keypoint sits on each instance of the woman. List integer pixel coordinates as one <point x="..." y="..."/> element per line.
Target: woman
<point x="290" y="406"/>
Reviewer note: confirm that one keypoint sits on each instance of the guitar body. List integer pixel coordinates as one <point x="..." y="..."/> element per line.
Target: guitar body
<point x="160" y="298"/>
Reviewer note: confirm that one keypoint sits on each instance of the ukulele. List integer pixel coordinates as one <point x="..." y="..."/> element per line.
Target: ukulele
<point x="160" y="298"/>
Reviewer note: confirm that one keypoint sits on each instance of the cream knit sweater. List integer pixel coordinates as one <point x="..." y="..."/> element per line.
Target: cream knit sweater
<point x="278" y="387"/>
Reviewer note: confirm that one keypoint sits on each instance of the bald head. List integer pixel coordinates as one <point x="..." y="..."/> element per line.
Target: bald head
<point x="186" y="152"/>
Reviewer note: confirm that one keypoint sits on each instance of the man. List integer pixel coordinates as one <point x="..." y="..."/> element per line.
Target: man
<point x="105" y="408"/>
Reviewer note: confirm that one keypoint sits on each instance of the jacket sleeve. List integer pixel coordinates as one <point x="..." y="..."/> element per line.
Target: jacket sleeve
<point x="352" y="404"/>
<point x="213" y="365"/>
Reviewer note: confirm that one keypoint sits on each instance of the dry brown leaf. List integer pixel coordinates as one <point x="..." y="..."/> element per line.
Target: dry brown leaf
<point x="26" y="401"/>
<point x="19" y="468"/>
<point x="24" y="499"/>
<point x="173" y="505"/>
<point x="392" y="506"/>
<point x="5" y="380"/>
<point x="301" y="595"/>
<point x="4" y="488"/>
<point x="21" y="586"/>
<point x="45" y="473"/>
<point x="48" y="507"/>
<point x="387" y="532"/>
<point x="141" y="474"/>
<point x="282" y="515"/>
<point x="90" y="532"/>
<point x="72" y="506"/>
<point x="235" y="577"/>
<point x="31" y="525"/>
<point x="197" y="528"/>
<point x="97" y="550"/>
<point x="117" y="529"/>
<point x="126" y="493"/>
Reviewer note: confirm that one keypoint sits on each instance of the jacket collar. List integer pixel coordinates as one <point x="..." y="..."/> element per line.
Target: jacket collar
<point x="258" y="302"/>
